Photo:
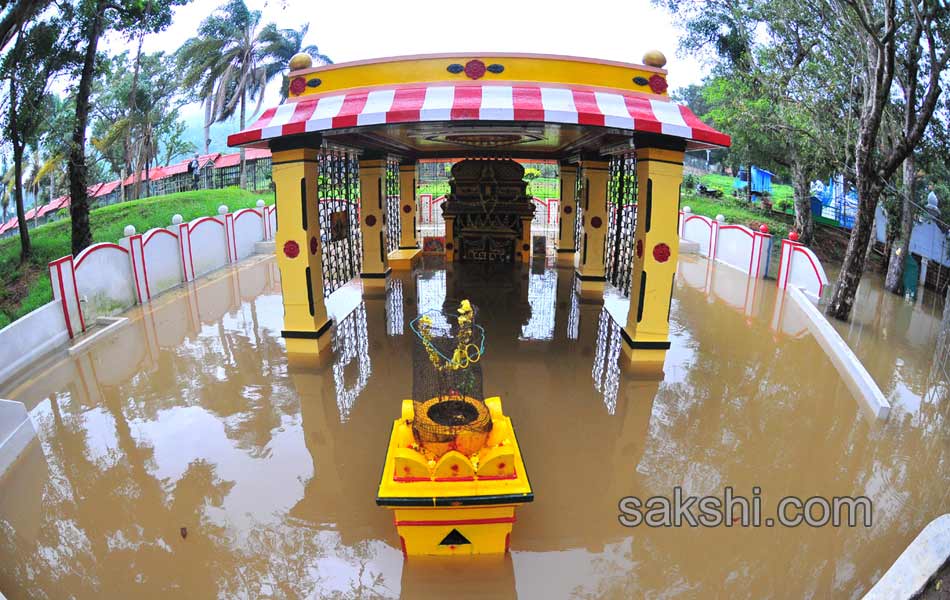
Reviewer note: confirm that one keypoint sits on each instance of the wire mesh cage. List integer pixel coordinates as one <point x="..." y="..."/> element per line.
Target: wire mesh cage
<point x="449" y="408"/>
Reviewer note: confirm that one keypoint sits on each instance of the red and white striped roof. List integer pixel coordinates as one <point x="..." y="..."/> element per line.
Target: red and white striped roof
<point x="520" y="103"/>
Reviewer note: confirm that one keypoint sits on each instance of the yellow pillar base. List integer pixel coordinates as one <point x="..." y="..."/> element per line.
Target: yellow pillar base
<point x="404" y="259"/>
<point x="565" y="257"/>
<point x="590" y="290"/>
<point x="642" y="362"/>
<point x="375" y="284"/>
<point x="305" y="346"/>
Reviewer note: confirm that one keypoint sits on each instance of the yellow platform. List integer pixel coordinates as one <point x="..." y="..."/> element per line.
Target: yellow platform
<point x="457" y="505"/>
<point x="404" y="259"/>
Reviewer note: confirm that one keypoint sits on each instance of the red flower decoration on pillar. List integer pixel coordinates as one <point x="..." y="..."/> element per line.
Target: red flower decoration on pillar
<point x="370" y="220"/>
<point x="298" y="85"/>
<point x="406" y="209"/>
<point x="657" y="84"/>
<point x="291" y="249"/>
<point x="595" y="222"/>
<point x="661" y="253"/>
<point x="475" y="69"/>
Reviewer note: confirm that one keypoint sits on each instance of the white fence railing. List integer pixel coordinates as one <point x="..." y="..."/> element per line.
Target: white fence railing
<point x="750" y="252"/>
<point x="106" y="278"/>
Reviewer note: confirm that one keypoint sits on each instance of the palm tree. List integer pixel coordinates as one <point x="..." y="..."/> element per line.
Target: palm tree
<point x="284" y="44"/>
<point x="200" y="60"/>
<point x="232" y="60"/>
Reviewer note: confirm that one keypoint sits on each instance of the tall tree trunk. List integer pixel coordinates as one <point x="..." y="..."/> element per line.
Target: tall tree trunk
<point x="79" y="199"/>
<point x="804" y="223"/>
<point x="243" y="159"/>
<point x="871" y="240"/>
<point x="207" y="129"/>
<point x="852" y="267"/>
<point x="26" y="248"/>
<point x="127" y="141"/>
<point x="899" y="250"/>
<point x="123" y="174"/>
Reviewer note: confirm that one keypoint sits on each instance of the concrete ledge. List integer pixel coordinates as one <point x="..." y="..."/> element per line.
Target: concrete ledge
<point x="917" y="564"/>
<point x="265" y="247"/>
<point x="30" y="337"/>
<point x="404" y="259"/>
<point x="689" y="247"/>
<point x="106" y="327"/>
<point x="859" y="381"/>
<point x="16" y="432"/>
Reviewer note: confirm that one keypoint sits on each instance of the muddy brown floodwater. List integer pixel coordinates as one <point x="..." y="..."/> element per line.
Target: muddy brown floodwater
<point x="189" y="420"/>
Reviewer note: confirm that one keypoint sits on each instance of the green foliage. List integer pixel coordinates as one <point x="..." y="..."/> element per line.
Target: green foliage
<point x="149" y="124"/>
<point x="52" y="241"/>
<point x="735" y="212"/>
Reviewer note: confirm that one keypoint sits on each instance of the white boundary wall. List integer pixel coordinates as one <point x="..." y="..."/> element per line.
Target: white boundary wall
<point x="735" y="245"/>
<point x="16" y="432"/>
<point x="800" y="268"/>
<point x="859" y="381"/>
<point x="33" y="335"/>
<point x="749" y="251"/>
<point x="108" y="278"/>
<point x="794" y="314"/>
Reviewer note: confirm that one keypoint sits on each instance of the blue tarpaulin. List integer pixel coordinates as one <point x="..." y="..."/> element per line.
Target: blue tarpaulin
<point x="835" y="202"/>
<point x="761" y="181"/>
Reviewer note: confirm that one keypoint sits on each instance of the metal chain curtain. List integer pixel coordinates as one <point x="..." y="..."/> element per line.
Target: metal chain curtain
<point x="394" y="223"/>
<point x="578" y="208"/>
<point x="622" y="221"/>
<point x="338" y="186"/>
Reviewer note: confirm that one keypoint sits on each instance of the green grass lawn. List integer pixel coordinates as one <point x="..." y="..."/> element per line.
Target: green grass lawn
<point x="24" y="288"/>
<point x="781" y="193"/>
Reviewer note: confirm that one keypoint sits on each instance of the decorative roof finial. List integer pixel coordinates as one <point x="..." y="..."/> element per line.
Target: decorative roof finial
<point x="301" y="61"/>
<point x="654" y="58"/>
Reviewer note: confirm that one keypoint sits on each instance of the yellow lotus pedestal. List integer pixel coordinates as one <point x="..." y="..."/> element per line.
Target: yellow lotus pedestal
<point x="457" y="505"/>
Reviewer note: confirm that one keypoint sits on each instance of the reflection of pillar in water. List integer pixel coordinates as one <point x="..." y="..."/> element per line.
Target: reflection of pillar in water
<point x="323" y="494"/>
<point x="635" y="402"/>
<point x="351" y="362"/>
<point x="542" y="297"/>
<point x="430" y="290"/>
<point x="395" y="324"/>
<point x="574" y="313"/>
<point x="606" y="369"/>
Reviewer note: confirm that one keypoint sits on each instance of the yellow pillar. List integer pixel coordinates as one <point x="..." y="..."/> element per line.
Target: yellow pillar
<point x="566" y="245"/>
<point x="375" y="273"/>
<point x="449" y="240"/>
<point x="523" y="250"/>
<point x="589" y="260"/>
<point x="299" y="250"/>
<point x="646" y="336"/>
<point x="404" y="258"/>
